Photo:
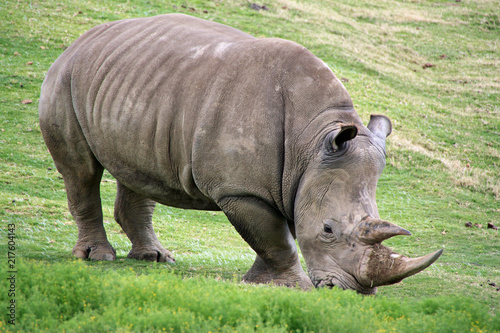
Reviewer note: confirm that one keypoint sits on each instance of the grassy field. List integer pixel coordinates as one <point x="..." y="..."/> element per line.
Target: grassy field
<point x="433" y="67"/>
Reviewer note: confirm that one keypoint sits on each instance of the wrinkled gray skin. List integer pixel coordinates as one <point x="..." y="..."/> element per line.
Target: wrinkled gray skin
<point x="198" y="115"/>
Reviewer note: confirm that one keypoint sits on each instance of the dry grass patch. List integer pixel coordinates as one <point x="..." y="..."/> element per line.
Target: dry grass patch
<point x="462" y="173"/>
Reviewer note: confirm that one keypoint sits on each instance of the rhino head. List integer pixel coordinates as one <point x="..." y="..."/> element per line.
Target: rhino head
<point x="337" y="222"/>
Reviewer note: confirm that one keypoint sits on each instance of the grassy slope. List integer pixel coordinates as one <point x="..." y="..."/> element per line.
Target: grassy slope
<point x="444" y="154"/>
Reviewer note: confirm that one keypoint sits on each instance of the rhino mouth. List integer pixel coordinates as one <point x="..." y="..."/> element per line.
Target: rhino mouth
<point x="345" y="281"/>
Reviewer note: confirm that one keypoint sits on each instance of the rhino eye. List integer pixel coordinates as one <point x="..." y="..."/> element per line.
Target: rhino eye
<point x="328" y="229"/>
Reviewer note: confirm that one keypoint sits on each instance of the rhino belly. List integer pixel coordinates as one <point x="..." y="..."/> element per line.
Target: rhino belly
<point x="157" y="189"/>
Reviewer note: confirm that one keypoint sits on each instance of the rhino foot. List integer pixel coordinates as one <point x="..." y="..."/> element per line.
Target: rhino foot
<point x="286" y="280"/>
<point x="95" y="252"/>
<point x="290" y="277"/>
<point x="154" y="253"/>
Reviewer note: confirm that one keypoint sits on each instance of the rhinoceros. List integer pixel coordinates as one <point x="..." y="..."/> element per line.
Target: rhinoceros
<point x="198" y="115"/>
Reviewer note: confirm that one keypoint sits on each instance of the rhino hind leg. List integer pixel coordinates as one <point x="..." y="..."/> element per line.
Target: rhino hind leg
<point x="134" y="213"/>
<point x="85" y="205"/>
<point x="82" y="176"/>
<point x="267" y="232"/>
<point x="81" y="172"/>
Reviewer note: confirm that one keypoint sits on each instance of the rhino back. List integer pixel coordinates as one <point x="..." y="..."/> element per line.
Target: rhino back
<point x="182" y="110"/>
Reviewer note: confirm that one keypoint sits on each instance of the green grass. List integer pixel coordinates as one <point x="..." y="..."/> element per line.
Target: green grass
<point x="154" y="300"/>
<point x="443" y="170"/>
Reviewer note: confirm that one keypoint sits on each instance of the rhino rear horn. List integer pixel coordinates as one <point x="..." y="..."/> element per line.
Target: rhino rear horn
<point x="372" y="230"/>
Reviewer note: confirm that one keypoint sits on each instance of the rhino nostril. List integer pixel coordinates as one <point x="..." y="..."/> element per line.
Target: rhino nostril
<point x="324" y="284"/>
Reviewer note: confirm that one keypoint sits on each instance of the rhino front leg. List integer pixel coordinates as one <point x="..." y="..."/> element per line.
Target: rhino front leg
<point x="267" y="232"/>
<point x="134" y="213"/>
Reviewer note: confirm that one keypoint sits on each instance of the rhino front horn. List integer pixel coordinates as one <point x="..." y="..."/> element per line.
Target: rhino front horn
<point x="381" y="266"/>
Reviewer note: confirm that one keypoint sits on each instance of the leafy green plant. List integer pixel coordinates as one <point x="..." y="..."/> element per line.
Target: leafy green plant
<point x="71" y="296"/>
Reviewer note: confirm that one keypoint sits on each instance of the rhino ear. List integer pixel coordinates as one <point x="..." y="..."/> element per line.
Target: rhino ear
<point x="380" y="126"/>
<point x="336" y="139"/>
